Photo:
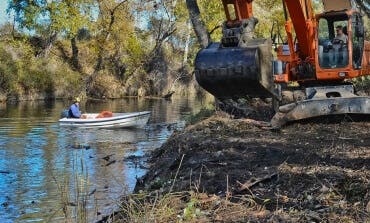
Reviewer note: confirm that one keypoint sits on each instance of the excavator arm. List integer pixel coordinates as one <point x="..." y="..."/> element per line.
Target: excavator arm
<point x="242" y="9"/>
<point x="301" y="14"/>
<point x="303" y="20"/>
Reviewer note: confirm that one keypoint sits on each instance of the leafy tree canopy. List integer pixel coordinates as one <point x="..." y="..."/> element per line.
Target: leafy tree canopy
<point x="53" y="16"/>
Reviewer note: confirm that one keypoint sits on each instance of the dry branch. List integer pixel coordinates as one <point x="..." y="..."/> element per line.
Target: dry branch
<point x="253" y="181"/>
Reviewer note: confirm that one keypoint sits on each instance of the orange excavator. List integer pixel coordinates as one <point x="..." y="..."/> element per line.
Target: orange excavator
<point x="309" y="76"/>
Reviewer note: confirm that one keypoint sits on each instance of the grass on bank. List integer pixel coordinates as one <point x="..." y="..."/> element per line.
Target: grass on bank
<point x="187" y="206"/>
<point x="195" y="206"/>
<point x="203" y="114"/>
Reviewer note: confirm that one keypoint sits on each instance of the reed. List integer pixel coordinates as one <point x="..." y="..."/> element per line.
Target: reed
<point x="74" y="193"/>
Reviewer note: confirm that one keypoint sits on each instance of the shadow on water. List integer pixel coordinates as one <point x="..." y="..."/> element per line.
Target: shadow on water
<point x="37" y="156"/>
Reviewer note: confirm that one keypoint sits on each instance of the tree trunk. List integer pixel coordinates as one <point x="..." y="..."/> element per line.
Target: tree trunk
<point x="365" y="6"/>
<point x="199" y="27"/>
<point x="106" y="34"/>
<point x="74" y="59"/>
<point x="49" y="43"/>
<point x="187" y="43"/>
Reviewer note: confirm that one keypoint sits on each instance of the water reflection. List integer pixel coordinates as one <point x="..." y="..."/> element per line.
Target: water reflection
<point x="37" y="156"/>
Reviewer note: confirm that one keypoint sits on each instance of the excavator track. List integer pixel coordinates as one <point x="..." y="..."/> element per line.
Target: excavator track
<point x="322" y="101"/>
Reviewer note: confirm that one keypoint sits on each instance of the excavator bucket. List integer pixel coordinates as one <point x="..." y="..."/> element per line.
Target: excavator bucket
<point x="236" y="72"/>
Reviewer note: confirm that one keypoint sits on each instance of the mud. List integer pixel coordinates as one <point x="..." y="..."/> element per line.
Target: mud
<point x="318" y="168"/>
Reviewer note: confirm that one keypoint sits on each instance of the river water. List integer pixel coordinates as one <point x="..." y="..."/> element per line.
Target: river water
<point x="45" y="169"/>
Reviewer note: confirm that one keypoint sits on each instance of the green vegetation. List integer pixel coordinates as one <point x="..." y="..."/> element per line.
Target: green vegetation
<point x="92" y="48"/>
<point x="108" y="48"/>
<point x="204" y="113"/>
<point x="189" y="206"/>
<point x="24" y="76"/>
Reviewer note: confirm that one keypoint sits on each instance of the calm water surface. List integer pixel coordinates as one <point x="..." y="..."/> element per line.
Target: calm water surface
<point x="40" y="162"/>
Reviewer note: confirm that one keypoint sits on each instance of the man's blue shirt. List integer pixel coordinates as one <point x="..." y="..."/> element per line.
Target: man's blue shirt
<point x="74" y="111"/>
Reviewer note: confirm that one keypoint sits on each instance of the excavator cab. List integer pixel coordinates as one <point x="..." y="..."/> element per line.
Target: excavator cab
<point x="333" y="41"/>
<point x="341" y="44"/>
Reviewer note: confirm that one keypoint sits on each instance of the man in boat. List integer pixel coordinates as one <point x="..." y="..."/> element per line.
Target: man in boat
<point x="74" y="110"/>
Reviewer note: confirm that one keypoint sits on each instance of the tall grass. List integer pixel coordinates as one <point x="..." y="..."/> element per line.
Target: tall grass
<point x="187" y="206"/>
<point x="74" y="193"/>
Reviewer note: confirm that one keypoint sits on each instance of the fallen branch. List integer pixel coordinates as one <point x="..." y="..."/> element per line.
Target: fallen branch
<point x="256" y="123"/>
<point x="92" y="192"/>
<point x="253" y="181"/>
<point x="107" y="158"/>
<point x="111" y="162"/>
<point x="168" y="95"/>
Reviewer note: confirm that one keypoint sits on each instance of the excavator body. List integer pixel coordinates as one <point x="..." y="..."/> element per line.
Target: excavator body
<point x="241" y="66"/>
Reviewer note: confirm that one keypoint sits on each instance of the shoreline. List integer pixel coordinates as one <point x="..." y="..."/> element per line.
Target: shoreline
<point x="14" y="101"/>
<point x="307" y="171"/>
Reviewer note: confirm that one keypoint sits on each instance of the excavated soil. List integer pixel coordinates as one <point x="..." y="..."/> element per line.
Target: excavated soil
<point x="313" y="171"/>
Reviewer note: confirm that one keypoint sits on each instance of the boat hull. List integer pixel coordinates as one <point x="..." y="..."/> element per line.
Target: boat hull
<point x="119" y="120"/>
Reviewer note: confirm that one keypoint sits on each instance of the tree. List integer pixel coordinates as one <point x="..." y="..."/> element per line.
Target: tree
<point x="365" y="6"/>
<point x="53" y="18"/>
<point x="199" y="27"/>
<point x="107" y="18"/>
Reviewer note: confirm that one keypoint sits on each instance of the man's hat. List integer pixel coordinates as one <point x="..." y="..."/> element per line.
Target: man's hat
<point x="77" y="99"/>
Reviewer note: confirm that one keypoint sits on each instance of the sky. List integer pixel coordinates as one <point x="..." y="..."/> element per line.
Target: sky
<point x="3" y="16"/>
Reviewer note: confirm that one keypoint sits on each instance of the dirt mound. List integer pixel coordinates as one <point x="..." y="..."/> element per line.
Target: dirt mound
<point x="322" y="169"/>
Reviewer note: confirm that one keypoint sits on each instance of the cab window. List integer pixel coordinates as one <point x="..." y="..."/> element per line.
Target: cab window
<point x="333" y="42"/>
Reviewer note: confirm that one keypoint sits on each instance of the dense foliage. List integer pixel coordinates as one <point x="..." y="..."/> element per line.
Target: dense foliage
<point x="109" y="48"/>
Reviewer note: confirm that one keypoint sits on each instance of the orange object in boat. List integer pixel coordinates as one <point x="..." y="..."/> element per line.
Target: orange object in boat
<point x="105" y="114"/>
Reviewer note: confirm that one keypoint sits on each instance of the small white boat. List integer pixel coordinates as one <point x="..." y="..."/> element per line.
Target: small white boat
<point x="118" y="120"/>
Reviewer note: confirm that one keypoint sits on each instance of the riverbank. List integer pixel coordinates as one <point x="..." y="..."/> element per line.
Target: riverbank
<point x="234" y="170"/>
<point x="27" y="75"/>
